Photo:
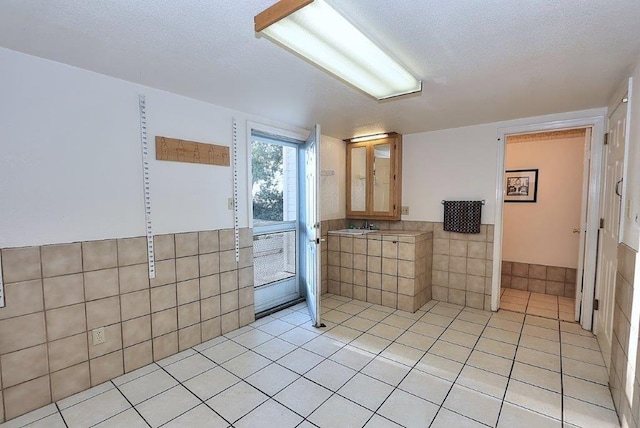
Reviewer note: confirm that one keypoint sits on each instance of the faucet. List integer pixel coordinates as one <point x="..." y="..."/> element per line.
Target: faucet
<point x="367" y="225"/>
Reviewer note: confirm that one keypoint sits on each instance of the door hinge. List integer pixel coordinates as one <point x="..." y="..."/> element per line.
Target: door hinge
<point x="606" y="138"/>
<point x="596" y="304"/>
<point x="601" y="223"/>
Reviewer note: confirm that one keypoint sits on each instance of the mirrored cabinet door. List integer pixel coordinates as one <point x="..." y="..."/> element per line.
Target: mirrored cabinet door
<point x="374" y="182"/>
<point x="381" y="177"/>
<point x="358" y="175"/>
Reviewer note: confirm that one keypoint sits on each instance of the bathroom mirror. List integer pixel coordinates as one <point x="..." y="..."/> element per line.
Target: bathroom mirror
<point x="374" y="178"/>
<point x="358" y="178"/>
<point x="381" y="176"/>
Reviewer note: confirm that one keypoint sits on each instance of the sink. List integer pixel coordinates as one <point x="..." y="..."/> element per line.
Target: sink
<point x="353" y="231"/>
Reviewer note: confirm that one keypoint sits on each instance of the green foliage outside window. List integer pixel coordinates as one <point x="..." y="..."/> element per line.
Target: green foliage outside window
<point x="267" y="168"/>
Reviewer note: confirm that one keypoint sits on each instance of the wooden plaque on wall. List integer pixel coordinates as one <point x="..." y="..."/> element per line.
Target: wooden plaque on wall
<point x="176" y="150"/>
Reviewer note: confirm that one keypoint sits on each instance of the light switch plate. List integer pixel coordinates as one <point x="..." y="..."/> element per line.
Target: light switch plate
<point x="405" y="211"/>
<point x="230" y="204"/>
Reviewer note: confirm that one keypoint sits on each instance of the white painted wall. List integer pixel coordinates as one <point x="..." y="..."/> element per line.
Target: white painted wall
<point x="459" y="163"/>
<point x="70" y="165"/>
<point x="70" y="168"/>
<point x="333" y="157"/>
<point x="541" y="232"/>
<point x="451" y="164"/>
<point x="631" y="218"/>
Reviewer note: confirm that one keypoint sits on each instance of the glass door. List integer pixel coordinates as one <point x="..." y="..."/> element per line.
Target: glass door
<point x="274" y="164"/>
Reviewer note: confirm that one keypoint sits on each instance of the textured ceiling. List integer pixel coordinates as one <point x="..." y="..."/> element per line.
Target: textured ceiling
<point x="481" y="61"/>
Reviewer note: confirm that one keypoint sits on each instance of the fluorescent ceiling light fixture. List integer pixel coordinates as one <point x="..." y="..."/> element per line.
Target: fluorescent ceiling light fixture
<point x="315" y="31"/>
<point x="369" y="138"/>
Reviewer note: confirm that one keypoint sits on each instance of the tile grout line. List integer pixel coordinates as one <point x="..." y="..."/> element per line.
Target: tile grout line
<point x="513" y="364"/>
<point x="375" y="412"/>
<point x="191" y="392"/>
<point x="273" y="362"/>
<point x="333" y="393"/>
<point x="376" y="355"/>
<point x="120" y="310"/>
<point x="423" y="355"/>
<point x="561" y="373"/>
<point x="46" y="324"/>
<point x="458" y="375"/>
<point x="159" y="367"/>
<point x="130" y="403"/>
<point x="46" y="329"/>
<point x="61" y="416"/>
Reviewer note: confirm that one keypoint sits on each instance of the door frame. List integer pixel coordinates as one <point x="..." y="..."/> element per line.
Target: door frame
<point x="597" y="123"/>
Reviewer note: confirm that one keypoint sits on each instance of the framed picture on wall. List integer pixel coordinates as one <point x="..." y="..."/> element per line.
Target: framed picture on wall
<point x="521" y="185"/>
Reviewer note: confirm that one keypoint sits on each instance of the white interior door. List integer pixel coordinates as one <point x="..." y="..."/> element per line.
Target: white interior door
<point x="583" y="221"/>
<point x="310" y="229"/>
<point x="609" y="235"/>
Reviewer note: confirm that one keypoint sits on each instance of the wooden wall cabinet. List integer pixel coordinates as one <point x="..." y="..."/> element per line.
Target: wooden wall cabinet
<point x="374" y="178"/>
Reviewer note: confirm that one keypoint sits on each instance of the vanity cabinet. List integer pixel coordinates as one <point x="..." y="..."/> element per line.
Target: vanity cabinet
<point x="384" y="267"/>
<point x="374" y="178"/>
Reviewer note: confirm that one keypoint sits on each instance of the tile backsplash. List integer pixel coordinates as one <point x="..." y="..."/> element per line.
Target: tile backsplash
<point x="57" y="294"/>
<point x="554" y="280"/>
<point x="462" y="264"/>
<point x="624" y="379"/>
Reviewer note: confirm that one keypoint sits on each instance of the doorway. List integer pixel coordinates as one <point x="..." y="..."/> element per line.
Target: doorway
<point x="275" y="195"/>
<point x="544" y="220"/>
<point x="585" y="292"/>
<point x="284" y="189"/>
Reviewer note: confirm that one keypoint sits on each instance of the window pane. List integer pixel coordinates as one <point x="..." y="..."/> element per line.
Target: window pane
<point x="274" y="257"/>
<point x="274" y="186"/>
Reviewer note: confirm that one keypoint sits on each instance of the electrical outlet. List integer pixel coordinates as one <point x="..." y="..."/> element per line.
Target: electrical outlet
<point x="405" y="211"/>
<point x="98" y="336"/>
<point x="230" y="203"/>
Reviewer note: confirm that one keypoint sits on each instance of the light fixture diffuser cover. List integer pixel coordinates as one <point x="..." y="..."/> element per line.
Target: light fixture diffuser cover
<point x="324" y="37"/>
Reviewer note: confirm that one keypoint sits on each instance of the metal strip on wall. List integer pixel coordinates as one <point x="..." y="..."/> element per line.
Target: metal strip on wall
<point x="147" y="185"/>
<point x="236" y="228"/>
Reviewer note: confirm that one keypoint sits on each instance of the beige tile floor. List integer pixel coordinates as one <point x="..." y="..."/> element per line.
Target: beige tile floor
<point x="444" y="366"/>
<point x="542" y="305"/>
